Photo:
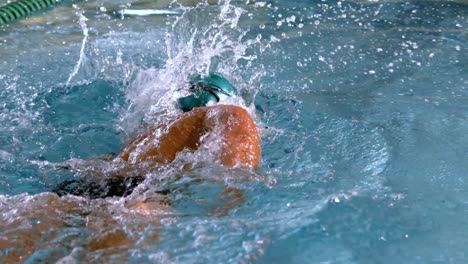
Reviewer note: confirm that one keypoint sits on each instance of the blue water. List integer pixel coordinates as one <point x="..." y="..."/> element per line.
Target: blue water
<point x="362" y="107"/>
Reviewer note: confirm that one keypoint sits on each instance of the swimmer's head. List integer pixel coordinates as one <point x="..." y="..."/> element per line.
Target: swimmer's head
<point x="211" y="88"/>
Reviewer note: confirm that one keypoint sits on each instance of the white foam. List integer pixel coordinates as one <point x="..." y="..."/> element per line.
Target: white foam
<point x="149" y="12"/>
<point x="193" y="47"/>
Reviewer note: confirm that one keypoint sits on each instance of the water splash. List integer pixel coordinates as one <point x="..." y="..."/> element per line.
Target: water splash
<point x="82" y="21"/>
<point x="194" y="46"/>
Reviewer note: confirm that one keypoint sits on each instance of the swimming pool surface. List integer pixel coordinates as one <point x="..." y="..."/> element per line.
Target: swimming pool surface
<point x="362" y="107"/>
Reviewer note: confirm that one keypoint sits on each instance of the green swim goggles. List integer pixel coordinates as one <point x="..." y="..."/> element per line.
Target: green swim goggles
<point x="205" y="89"/>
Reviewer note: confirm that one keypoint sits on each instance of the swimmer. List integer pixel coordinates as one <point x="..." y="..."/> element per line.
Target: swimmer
<point x="202" y="121"/>
<point x="240" y="143"/>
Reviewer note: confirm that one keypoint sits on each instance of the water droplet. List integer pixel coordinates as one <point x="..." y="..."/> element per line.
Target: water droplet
<point x="260" y="4"/>
<point x="291" y="19"/>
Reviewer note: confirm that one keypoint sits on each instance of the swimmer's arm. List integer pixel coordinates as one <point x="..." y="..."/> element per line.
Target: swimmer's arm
<point x="125" y="154"/>
<point x="240" y="143"/>
<point x="234" y="198"/>
<point x="161" y="144"/>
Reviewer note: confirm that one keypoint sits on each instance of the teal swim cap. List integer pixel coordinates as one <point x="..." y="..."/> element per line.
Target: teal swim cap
<point x="210" y="88"/>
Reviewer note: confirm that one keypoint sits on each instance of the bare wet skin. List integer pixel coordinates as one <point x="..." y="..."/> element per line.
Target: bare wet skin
<point x="230" y="127"/>
<point x="108" y="225"/>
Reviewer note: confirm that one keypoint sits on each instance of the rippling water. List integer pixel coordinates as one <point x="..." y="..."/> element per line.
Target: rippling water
<point x="362" y="107"/>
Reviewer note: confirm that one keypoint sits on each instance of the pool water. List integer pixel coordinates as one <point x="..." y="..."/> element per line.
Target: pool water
<point x="362" y="108"/>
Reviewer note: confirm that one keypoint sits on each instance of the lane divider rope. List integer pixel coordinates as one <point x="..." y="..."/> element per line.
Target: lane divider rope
<point x="23" y="8"/>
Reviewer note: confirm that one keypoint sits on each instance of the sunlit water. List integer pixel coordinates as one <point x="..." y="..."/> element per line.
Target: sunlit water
<point x="362" y="108"/>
